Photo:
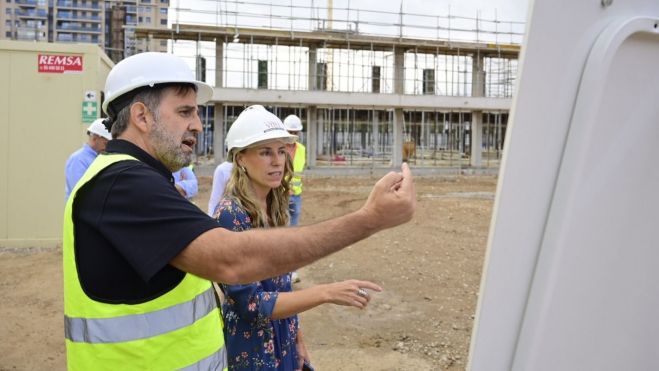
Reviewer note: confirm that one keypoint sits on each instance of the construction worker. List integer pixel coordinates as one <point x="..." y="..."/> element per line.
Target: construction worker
<point x="186" y="182"/>
<point x="261" y="323"/>
<point x="221" y="176"/>
<point x="299" y="156"/>
<point x="80" y="160"/>
<point x="139" y="259"/>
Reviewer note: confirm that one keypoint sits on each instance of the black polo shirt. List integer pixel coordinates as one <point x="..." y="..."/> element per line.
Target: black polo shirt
<point x="129" y="222"/>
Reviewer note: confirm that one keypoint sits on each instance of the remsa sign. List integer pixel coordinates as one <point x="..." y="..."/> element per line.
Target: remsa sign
<point x="52" y="63"/>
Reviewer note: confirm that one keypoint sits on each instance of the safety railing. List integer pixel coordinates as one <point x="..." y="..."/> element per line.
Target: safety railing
<point x="254" y="14"/>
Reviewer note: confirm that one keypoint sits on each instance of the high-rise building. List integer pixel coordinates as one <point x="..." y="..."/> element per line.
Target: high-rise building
<point x="122" y="18"/>
<point x="24" y="20"/>
<point x="78" y="21"/>
<point x="108" y="23"/>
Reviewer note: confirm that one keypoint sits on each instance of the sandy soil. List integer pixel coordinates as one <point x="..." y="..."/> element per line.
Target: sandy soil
<point x="430" y="269"/>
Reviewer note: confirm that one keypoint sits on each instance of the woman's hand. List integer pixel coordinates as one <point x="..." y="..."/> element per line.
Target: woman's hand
<point x="302" y="353"/>
<point x="354" y="293"/>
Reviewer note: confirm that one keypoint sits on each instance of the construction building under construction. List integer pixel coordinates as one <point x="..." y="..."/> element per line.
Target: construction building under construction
<point x="373" y="88"/>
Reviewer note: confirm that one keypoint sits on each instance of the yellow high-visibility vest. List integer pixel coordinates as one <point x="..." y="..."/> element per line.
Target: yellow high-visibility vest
<point x="299" y="161"/>
<point x="181" y="329"/>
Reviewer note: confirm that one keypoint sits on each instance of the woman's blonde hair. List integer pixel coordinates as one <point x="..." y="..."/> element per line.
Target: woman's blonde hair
<point x="277" y="200"/>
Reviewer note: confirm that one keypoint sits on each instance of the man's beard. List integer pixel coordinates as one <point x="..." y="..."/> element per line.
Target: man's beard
<point x="168" y="149"/>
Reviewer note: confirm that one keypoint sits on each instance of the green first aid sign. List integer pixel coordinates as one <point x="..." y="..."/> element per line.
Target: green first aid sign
<point x="89" y="112"/>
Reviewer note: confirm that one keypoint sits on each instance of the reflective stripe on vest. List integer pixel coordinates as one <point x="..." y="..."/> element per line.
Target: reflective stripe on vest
<point x="180" y="329"/>
<point x="139" y="326"/>
<point x="216" y="361"/>
<point x="299" y="161"/>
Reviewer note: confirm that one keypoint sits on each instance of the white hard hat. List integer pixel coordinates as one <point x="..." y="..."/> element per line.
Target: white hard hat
<point x="293" y="123"/>
<point x="97" y="127"/>
<point x="255" y="124"/>
<point x="149" y="69"/>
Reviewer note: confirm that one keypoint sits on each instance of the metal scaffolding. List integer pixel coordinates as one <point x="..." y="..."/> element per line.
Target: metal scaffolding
<point x="250" y="47"/>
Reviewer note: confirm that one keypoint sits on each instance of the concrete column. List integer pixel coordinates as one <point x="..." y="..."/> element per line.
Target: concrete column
<point x="318" y="138"/>
<point x="219" y="63"/>
<point x="313" y="71"/>
<point x="477" y="90"/>
<point x="399" y="71"/>
<point x="312" y="114"/>
<point x="218" y="134"/>
<point x="218" y="118"/>
<point x="399" y="88"/>
<point x="376" y="132"/>
<point x="397" y="151"/>
<point x="312" y="135"/>
<point x="476" y="142"/>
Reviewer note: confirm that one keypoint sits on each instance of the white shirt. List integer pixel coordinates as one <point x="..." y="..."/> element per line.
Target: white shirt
<point x="220" y="178"/>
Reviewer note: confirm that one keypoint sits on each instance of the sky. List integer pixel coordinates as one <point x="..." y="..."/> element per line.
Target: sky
<point x="421" y="18"/>
<point x="503" y="10"/>
<point x="510" y="10"/>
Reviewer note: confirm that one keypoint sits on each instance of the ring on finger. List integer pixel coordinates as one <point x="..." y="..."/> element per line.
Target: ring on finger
<point x="361" y="292"/>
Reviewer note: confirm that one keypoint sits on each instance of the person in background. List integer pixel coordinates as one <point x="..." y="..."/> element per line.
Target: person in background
<point x="80" y="160"/>
<point x="185" y="182"/>
<point x="261" y="325"/>
<point x="298" y="154"/>
<point x="220" y="178"/>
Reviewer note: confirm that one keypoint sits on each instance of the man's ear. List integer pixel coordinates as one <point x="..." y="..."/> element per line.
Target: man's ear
<point x="138" y="115"/>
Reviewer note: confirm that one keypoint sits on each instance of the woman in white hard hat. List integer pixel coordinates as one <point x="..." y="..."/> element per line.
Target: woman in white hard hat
<point x="260" y="319"/>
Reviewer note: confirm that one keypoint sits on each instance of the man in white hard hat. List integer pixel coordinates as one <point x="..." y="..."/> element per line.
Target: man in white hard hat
<point x="298" y="153"/>
<point x="80" y="160"/>
<point x="139" y="259"/>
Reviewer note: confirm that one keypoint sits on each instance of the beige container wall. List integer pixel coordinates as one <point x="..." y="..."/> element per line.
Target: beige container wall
<point x="40" y="126"/>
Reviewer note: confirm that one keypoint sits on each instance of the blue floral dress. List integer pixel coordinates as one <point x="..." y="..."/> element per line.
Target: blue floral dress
<point x="253" y="339"/>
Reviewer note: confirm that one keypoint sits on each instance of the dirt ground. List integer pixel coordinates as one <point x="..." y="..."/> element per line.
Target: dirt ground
<point x="430" y="269"/>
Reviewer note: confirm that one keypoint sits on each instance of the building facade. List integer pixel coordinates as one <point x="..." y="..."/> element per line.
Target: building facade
<point x="109" y="24"/>
<point x="24" y="20"/>
<point x="371" y="91"/>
